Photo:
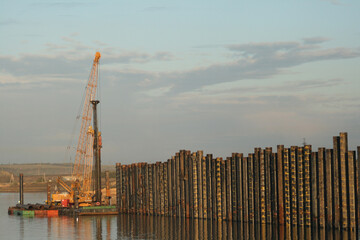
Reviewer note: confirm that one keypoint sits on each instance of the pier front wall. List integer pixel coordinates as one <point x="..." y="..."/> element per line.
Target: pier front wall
<point x="294" y="186"/>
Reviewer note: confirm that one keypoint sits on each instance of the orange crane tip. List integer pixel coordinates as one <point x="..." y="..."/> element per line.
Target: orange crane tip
<point x="97" y="56"/>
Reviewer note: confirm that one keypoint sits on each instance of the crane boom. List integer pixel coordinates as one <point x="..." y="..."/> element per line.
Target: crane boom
<point x="80" y="165"/>
<point x="63" y="184"/>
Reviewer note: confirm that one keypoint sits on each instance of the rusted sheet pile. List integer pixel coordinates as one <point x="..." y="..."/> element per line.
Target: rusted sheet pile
<point x="295" y="186"/>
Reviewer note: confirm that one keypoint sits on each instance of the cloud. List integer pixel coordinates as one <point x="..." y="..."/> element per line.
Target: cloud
<point x="315" y="40"/>
<point x="135" y="57"/>
<point x="249" y="61"/>
<point x="69" y="60"/>
<point x="41" y="65"/>
<point x="284" y="87"/>
<point x="255" y="61"/>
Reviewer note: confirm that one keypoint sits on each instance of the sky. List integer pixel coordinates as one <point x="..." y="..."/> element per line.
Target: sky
<point x="217" y="76"/>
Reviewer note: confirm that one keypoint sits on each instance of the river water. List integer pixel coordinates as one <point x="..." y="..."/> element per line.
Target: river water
<point x="140" y="227"/>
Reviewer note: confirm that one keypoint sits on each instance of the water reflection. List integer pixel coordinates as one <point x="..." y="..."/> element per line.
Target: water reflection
<point x="150" y="227"/>
<point x="21" y="228"/>
<point x="98" y="229"/>
<point x="145" y="227"/>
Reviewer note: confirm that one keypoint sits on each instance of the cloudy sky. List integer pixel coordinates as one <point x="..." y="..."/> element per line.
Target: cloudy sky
<point x="218" y="76"/>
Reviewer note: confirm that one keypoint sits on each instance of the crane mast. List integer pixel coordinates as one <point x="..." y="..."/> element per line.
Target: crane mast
<point x="82" y="168"/>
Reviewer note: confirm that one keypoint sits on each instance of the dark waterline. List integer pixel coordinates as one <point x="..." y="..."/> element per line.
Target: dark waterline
<point x="142" y="227"/>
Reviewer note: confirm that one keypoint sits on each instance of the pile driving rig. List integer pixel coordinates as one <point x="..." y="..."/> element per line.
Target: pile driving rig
<point x="85" y="187"/>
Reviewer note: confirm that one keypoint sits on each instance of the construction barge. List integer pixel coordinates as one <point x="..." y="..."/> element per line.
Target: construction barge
<point x="82" y="196"/>
<point x="34" y="210"/>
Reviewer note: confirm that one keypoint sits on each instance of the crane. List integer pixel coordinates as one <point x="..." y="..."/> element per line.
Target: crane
<point x="83" y="165"/>
<point x="79" y="165"/>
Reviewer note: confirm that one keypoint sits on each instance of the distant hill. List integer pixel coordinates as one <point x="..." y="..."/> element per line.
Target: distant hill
<point x="35" y="169"/>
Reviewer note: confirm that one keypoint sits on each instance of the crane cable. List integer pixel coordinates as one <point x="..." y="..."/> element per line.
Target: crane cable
<point x="79" y="112"/>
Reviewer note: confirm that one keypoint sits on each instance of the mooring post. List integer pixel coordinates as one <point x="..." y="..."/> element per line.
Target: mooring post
<point x="170" y="187"/>
<point x="234" y="190"/>
<point x="280" y="183"/>
<point x="352" y="190"/>
<point x="123" y="185"/>
<point x="138" y="185"/>
<point x="118" y="187"/>
<point x="156" y="189"/>
<point x="321" y="186"/>
<point x="131" y="189"/>
<point x="307" y="185"/>
<point x="146" y="189"/>
<point x="174" y="186"/>
<point x="250" y="175"/>
<point x="300" y="185"/>
<point x="162" y="189"/>
<point x="182" y="184"/>
<point x="268" y="185"/>
<point x="256" y="166"/>
<point x="214" y="187"/>
<point x="293" y="188"/>
<point x="204" y="186"/>
<point x="343" y="179"/>
<point x="187" y="181"/>
<point x="358" y="186"/>
<point x="210" y="187"/>
<point x="228" y="189"/>
<point x="190" y="183"/>
<point x="137" y="205"/>
<point x="244" y="183"/>
<point x="227" y="179"/>
<point x="218" y="189"/>
<point x="178" y="180"/>
<point x="329" y="188"/>
<point x="314" y="190"/>
<point x="128" y="189"/>
<point x="262" y="187"/>
<point x="151" y="187"/>
<point x="223" y="189"/>
<point x="166" y="190"/>
<point x="195" y="186"/>
<point x="239" y="188"/>
<point x="336" y="182"/>
<point x="287" y="197"/>
<point x="200" y="183"/>
<point x="274" y="187"/>
<point x="21" y="190"/>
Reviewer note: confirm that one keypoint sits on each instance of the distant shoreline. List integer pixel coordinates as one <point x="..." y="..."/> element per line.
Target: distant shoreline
<point x="29" y="187"/>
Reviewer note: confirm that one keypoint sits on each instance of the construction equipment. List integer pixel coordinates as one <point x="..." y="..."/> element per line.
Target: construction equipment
<point x="88" y="148"/>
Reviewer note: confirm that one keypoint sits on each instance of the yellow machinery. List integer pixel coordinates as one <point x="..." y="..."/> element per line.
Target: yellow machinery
<point x="82" y="179"/>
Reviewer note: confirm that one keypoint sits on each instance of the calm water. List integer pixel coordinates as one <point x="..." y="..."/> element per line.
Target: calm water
<point x="139" y="227"/>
